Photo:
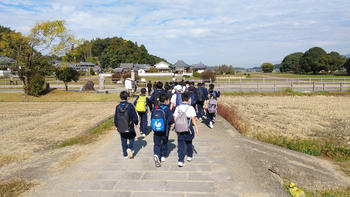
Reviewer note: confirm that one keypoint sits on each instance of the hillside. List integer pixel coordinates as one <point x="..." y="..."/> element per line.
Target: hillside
<point x="110" y="52"/>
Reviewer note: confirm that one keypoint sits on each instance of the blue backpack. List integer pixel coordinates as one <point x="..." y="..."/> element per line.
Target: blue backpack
<point x="178" y="99"/>
<point x="158" y="119"/>
<point x="193" y="97"/>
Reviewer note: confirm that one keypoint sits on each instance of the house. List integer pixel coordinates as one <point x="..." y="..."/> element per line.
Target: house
<point x="85" y="66"/>
<point x="145" y="67"/>
<point x="6" y="61"/>
<point x="162" y="66"/>
<point x="199" y="67"/>
<point x="118" y="70"/>
<point x="181" y="66"/>
<point x="126" y="66"/>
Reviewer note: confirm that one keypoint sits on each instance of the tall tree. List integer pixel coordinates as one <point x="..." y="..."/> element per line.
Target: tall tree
<point x="347" y="65"/>
<point x="315" y="60"/>
<point x="335" y="61"/>
<point x="48" y="36"/>
<point x="267" y="67"/>
<point x="291" y="62"/>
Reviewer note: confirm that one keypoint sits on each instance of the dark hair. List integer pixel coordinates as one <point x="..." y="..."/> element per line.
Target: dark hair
<point x="166" y="88"/>
<point x="211" y="91"/>
<point x="211" y="86"/>
<point x="124" y="95"/>
<point x="211" y="95"/>
<point x="159" y="85"/>
<point x="192" y="83"/>
<point x="185" y="96"/>
<point x="199" y="84"/>
<point x="163" y="97"/>
<point x="143" y="91"/>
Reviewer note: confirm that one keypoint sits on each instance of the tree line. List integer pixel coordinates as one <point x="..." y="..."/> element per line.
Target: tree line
<point x="314" y="61"/>
<point x="110" y="52"/>
<point x="53" y="37"/>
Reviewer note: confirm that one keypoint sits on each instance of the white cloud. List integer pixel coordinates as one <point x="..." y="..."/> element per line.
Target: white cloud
<point x="230" y="31"/>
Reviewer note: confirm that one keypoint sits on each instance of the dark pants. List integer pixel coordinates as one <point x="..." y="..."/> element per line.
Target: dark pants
<point x="181" y="149"/>
<point x="149" y="91"/>
<point x="143" y="122"/>
<point x="210" y="116"/>
<point x="126" y="146"/>
<point x="160" y="145"/>
<point x="200" y="111"/>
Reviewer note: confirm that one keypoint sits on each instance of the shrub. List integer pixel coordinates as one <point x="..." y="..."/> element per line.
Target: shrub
<point x="267" y="67"/>
<point x="153" y="70"/>
<point x="92" y="72"/>
<point x="208" y="75"/>
<point x="35" y="86"/>
<point x="196" y="74"/>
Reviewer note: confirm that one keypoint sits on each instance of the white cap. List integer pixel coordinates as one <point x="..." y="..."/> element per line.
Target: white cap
<point x="178" y="88"/>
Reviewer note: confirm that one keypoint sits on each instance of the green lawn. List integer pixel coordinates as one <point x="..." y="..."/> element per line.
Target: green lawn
<point x="290" y="75"/>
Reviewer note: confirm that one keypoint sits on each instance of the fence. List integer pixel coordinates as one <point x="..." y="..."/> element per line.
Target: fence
<point x="295" y="84"/>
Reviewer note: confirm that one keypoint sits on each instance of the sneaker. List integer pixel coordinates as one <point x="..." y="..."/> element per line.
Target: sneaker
<point x="125" y="157"/>
<point x="162" y="159"/>
<point x="189" y="159"/>
<point x="156" y="161"/>
<point x="204" y="117"/>
<point x="129" y="153"/>
<point x="211" y="125"/>
<point x="143" y="135"/>
<point x="200" y="119"/>
<point x="180" y="164"/>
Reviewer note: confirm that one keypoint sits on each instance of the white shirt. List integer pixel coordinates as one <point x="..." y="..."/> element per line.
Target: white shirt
<point x="173" y="99"/>
<point x="190" y="113"/>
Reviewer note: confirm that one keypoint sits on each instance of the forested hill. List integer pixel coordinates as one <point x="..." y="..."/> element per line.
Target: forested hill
<point x="110" y="52"/>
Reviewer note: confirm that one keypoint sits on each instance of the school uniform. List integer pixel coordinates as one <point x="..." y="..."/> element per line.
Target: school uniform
<point x="185" y="138"/>
<point x="161" y="139"/>
<point x="134" y="121"/>
<point x="143" y="115"/>
<point x="153" y="96"/>
<point x="200" y="104"/>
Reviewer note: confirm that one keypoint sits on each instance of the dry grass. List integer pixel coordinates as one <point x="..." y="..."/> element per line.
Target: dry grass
<point x="14" y="188"/>
<point x="62" y="96"/>
<point x="28" y="129"/>
<point x="305" y="117"/>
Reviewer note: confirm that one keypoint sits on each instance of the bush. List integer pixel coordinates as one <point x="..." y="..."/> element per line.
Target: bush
<point x="208" y="75"/>
<point x="196" y="74"/>
<point x="116" y="77"/>
<point x="35" y="86"/>
<point x="153" y="70"/>
<point x="92" y="72"/>
<point x="267" y="67"/>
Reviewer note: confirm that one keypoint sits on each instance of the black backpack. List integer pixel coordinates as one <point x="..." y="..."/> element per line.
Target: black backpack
<point x="124" y="122"/>
<point x="200" y="92"/>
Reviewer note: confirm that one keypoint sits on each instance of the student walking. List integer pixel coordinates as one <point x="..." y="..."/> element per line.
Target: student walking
<point x="162" y="118"/>
<point x="149" y="88"/>
<point x="185" y="120"/>
<point x="201" y="97"/>
<point x="125" y="119"/>
<point x="157" y="92"/>
<point x="141" y="104"/>
<point x="176" y="98"/>
<point x="211" y="109"/>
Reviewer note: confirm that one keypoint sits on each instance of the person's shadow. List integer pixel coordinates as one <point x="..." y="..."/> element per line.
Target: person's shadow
<point x="171" y="146"/>
<point x="139" y="144"/>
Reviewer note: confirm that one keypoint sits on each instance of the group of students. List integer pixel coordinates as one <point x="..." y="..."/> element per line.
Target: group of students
<point x="177" y="104"/>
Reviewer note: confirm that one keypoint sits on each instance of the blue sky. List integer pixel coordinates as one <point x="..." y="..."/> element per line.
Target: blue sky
<point x="242" y="33"/>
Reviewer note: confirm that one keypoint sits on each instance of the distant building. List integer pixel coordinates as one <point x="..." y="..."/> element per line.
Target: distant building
<point x="162" y="66"/>
<point x="126" y="66"/>
<point x="6" y="61"/>
<point x="199" y="67"/>
<point x="81" y="66"/>
<point x="145" y="67"/>
<point x="181" y="66"/>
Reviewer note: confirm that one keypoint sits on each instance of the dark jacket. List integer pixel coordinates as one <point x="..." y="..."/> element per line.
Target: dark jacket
<point x="157" y="91"/>
<point x="133" y="118"/>
<point x="148" y="102"/>
<point x="205" y="92"/>
<point x="169" y="119"/>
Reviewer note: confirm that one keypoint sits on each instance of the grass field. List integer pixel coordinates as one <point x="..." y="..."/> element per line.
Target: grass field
<point x="318" y="125"/>
<point x="62" y="96"/>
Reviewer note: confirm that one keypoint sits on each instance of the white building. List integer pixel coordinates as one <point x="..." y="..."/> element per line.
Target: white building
<point x="162" y="66"/>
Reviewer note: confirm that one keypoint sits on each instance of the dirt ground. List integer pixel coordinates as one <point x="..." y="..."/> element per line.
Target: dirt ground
<point x="294" y="116"/>
<point x="30" y="132"/>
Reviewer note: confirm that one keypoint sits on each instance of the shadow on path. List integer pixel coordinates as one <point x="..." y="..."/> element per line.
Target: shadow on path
<point x="139" y="144"/>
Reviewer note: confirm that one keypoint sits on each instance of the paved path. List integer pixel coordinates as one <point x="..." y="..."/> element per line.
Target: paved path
<point x="219" y="169"/>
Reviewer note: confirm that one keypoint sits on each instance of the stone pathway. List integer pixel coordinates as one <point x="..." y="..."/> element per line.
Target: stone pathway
<point x="219" y="169"/>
